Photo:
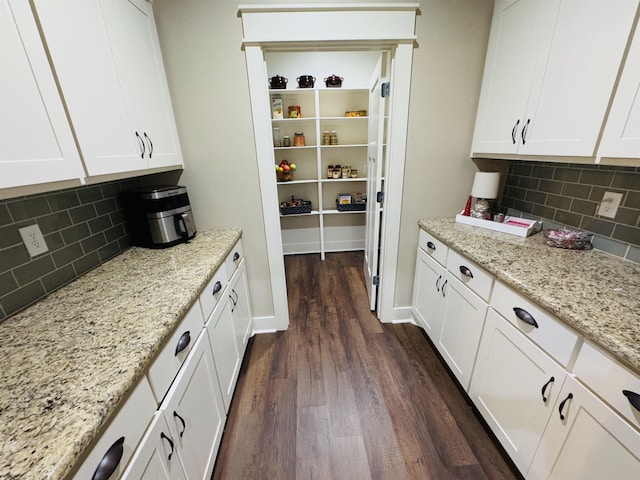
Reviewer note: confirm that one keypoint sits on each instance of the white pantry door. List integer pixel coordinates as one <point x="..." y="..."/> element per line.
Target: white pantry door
<point x="375" y="160"/>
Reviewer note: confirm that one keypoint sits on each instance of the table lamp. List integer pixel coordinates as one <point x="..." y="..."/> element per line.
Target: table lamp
<point x="484" y="192"/>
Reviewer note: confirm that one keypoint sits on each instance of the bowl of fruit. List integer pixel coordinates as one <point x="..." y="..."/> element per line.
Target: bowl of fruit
<point x="284" y="171"/>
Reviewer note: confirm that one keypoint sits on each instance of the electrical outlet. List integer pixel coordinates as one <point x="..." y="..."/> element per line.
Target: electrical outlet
<point x="609" y="204"/>
<point x="33" y="240"/>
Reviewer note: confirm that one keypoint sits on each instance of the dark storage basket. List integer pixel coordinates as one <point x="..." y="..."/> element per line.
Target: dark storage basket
<point x="297" y="209"/>
<point x="351" y="207"/>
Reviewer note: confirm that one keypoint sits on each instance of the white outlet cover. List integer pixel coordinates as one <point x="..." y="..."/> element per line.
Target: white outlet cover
<point x="609" y="204"/>
<point x="33" y="240"/>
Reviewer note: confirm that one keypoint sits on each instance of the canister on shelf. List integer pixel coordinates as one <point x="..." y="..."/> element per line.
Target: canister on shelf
<point x="286" y="141"/>
<point x="326" y="138"/>
<point x="294" y="111"/>
<point x="333" y="137"/>
<point x="276" y="137"/>
<point x="337" y="171"/>
<point x="330" y="171"/>
<point x="346" y="171"/>
<point x="298" y="139"/>
<point x="354" y="173"/>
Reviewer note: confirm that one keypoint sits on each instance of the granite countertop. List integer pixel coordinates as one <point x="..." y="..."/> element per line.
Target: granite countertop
<point x="595" y="293"/>
<point x="69" y="360"/>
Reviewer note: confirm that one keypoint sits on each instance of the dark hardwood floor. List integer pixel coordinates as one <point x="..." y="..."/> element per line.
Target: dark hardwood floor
<point x="341" y="396"/>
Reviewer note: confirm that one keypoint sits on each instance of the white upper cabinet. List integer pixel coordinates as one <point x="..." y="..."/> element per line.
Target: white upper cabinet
<point x="549" y="75"/>
<point x="36" y="143"/>
<point x="621" y="136"/>
<point x="107" y="58"/>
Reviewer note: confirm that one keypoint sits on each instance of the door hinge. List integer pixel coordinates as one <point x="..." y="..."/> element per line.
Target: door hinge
<point x="376" y="280"/>
<point x="385" y="89"/>
<point x="380" y="197"/>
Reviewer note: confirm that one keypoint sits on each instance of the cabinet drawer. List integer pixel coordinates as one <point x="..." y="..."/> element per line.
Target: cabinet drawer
<point x="605" y="376"/>
<point x="212" y="293"/>
<point x="166" y="365"/>
<point x="233" y="259"/>
<point x="550" y="334"/>
<point x="470" y="274"/>
<point x="126" y="429"/>
<point x="433" y="247"/>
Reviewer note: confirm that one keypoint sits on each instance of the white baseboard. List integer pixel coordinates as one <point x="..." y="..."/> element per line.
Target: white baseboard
<point x="268" y="324"/>
<point x="400" y="315"/>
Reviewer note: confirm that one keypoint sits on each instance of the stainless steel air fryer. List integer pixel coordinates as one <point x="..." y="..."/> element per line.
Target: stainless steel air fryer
<point x="159" y="217"/>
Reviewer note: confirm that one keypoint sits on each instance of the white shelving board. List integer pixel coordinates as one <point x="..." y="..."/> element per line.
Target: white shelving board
<point x="325" y="229"/>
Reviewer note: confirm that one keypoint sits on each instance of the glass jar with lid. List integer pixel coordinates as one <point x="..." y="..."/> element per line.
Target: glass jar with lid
<point x="298" y="139"/>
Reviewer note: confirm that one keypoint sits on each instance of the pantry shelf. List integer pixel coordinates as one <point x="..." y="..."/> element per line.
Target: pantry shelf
<point x="323" y="113"/>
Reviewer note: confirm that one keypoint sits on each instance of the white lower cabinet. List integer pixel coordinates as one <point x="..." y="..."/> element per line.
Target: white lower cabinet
<point x="526" y="373"/>
<point x="195" y="413"/>
<point x="446" y="306"/>
<point x="461" y="326"/>
<point x="225" y="351"/>
<point x="585" y="439"/>
<point x="157" y="457"/>
<point x="427" y="293"/>
<point x="240" y="308"/>
<point x="515" y="386"/>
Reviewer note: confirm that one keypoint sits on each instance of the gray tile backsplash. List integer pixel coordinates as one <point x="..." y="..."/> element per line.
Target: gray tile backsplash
<point x="564" y="194"/>
<point x="83" y="227"/>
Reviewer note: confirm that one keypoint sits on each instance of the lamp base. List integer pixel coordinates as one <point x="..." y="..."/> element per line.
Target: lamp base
<point x="483" y="208"/>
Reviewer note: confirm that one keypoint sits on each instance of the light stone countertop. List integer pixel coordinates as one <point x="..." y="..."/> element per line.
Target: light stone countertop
<point x="595" y="293"/>
<point x="69" y="360"/>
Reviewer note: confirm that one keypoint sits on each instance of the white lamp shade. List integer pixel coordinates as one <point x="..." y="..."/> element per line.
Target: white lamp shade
<point x="486" y="185"/>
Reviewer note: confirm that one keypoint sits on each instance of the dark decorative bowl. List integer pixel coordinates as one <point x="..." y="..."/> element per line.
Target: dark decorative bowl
<point x="278" y="82"/>
<point x="333" y="81"/>
<point x="306" y="81"/>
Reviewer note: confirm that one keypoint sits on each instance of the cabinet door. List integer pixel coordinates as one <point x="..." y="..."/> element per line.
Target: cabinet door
<point x="621" y="136"/>
<point x="427" y="294"/>
<point x="157" y="456"/>
<point x="194" y="411"/>
<point x="590" y="442"/>
<point x="462" y="321"/>
<point x="240" y="309"/>
<point x="36" y="143"/>
<point x="225" y="349"/>
<point x="134" y="40"/>
<point x="572" y="89"/>
<point x="515" y="387"/>
<point x="77" y="36"/>
<point x="521" y="32"/>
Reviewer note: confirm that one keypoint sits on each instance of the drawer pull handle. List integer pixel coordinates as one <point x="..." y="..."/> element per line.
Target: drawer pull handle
<point x="184" y="425"/>
<point x="110" y="461"/>
<point x="569" y="397"/>
<point x="236" y="256"/>
<point x="142" y="148"/>
<point x="465" y="271"/>
<point x="163" y="436"/>
<point x="438" y="282"/>
<point x="525" y="317"/>
<point x="513" y="132"/>
<point x="443" y="287"/>
<point x="544" y="389"/>
<point x="150" y="144"/>
<point x="633" y="397"/>
<point x="217" y="287"/>
<point x="431" y="246"/>
<point x="183" y="342"/>
<point x="523" y="133"/>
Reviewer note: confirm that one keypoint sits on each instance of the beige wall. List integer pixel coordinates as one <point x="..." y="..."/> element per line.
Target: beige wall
<point x="205" y="66"/>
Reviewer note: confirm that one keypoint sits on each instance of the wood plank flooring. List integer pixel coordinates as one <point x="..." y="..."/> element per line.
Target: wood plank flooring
<point x="341" y="396"/>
